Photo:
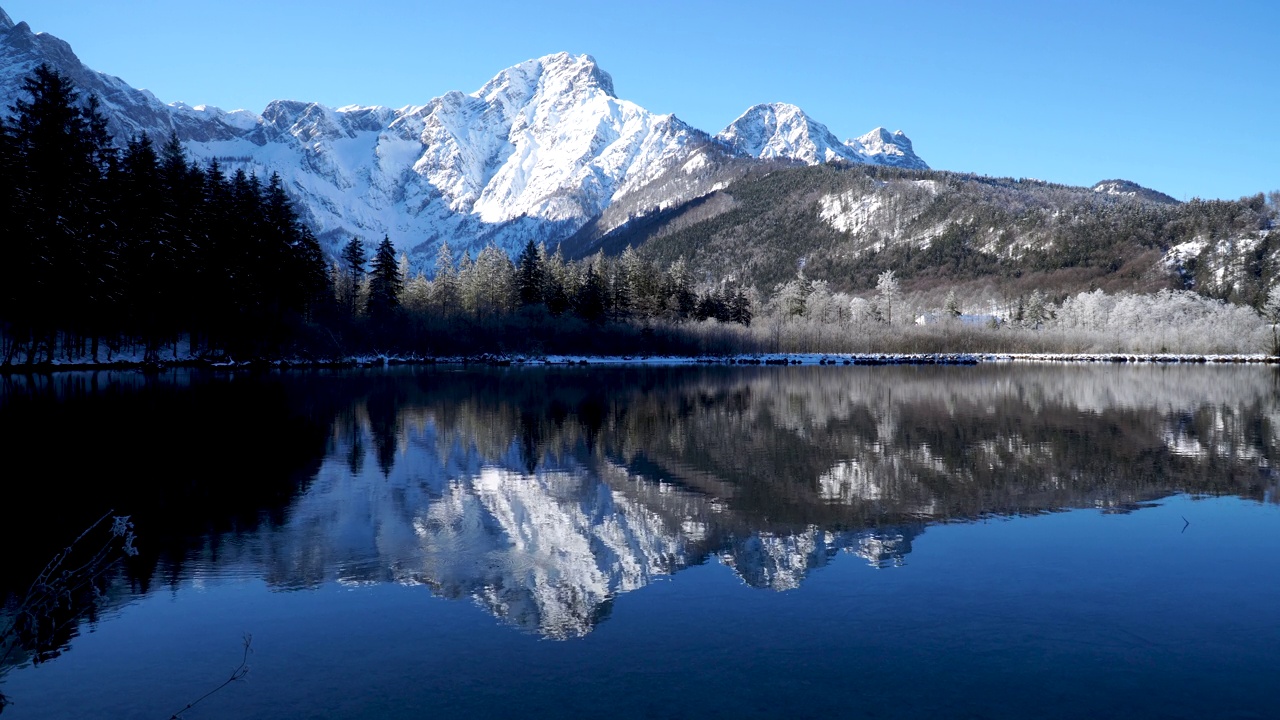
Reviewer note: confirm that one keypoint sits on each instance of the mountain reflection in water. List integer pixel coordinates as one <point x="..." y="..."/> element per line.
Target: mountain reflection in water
<point x="544" y="494"/>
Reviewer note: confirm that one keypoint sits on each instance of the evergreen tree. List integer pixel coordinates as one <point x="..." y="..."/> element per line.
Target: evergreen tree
<point x="681" y="300"/>
<point x="215" y="284"/>
<point x="11" y="237"/>
<point x="314" y="281"/>
<point x="1037" y="311"/>
<point x="60" y="262"/>
<point x="952" y="306"/>
<point x="740" y="307"/>
<point x="626" y="283"/>
<point x="467" y="299"/>
<point x="351" y="275"/>
<point x="444" y="287"/>
<point x="556" y="290"/>
<point x="491" y="284"/>
<point x="183" y="219"/>
<point x="530" y="276"/>
<point x="711" y="306"/>
<point x="146" y="259"/>
<point x="385" y="283"/>
<point x="589" y="300"/>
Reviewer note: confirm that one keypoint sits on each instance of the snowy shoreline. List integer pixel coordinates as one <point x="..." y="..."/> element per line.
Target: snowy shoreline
<point x="844" y="359"/>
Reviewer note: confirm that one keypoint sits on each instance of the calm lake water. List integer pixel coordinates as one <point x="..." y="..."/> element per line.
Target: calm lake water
<point x="896" y="542"/>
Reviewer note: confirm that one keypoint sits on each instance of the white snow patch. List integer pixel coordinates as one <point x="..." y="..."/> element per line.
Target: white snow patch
<point x="696" y="163"/>
<point x="849" y="212"/>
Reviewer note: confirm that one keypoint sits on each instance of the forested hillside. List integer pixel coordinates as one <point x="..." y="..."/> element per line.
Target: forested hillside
<point x="847" y="224"/>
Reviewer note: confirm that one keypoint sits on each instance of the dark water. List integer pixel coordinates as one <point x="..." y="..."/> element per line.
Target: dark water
<point x="992" y="541"/>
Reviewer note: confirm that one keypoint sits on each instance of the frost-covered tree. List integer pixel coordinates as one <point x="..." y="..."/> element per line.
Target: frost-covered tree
<point x="416" y="297"/>
<point x="488" y="284"/>
<point x="887" y="294"/>
<point x="789" y="298"/>
<point x="445" y="297"/>
<point x="1271" y="313"/>
<point x="1037" y="309"/>
<point x="681" y="299"/>
<point x="820" y="305"/>
<point x="558" y="285"/>
<point x="952" y="306"/>
<point x="862" y="313"/>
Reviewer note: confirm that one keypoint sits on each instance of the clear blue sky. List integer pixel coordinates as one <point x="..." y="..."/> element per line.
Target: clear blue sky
<point x="1179" y="96"/>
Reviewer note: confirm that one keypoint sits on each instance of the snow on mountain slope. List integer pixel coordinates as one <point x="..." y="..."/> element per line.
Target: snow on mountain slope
<point x="539" y="150"/>
<point x="884" y="148"/>
<point x="780" y="130"/>
<point x="536" y="153"/>
<point x="129" y="111"/>
<point x="784" y="131"/>
<point x="1128" y="188"/>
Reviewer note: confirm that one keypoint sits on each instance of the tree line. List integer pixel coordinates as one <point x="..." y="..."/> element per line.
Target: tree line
<point x="107" y="244"/>
<point x="135" y="244"/>
<point x="112" y="245"/>
<point x="384" y="303"/>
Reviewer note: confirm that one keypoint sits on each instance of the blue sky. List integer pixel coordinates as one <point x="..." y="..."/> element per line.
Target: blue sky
<point x="1179" y="96"/>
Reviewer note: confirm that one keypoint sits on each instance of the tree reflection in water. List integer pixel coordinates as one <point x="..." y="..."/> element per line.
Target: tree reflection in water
<point x="542" y="494"/>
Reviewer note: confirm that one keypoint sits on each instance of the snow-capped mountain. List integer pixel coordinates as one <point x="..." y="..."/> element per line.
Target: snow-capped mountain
<point x="784" y="131"/>
<point x="536" y="153"/>
<point x="540" y="149"/>
<point x="882" y="147"/>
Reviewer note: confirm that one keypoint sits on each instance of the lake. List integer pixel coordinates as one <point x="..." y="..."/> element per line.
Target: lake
<point x="995" y="541"/>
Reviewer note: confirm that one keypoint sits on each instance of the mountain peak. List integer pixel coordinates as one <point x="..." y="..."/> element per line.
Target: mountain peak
<point x="539" y="150"/>
<point x="885" y="148"/>
<point x="582" y="70"/>
<point x="782" y="130"/>
<point x="559" y="73"/>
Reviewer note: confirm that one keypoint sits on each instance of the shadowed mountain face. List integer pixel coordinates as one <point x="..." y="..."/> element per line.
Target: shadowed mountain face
<point x="545" y="495"/>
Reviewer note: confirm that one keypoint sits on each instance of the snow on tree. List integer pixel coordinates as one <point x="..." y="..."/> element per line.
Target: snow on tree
<point x="1271" y="313"/>
<point x="951" y="305"/>
<point x="887" y="294"/>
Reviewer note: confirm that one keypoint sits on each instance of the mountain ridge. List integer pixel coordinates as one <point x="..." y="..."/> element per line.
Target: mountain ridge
<point x="537" y="152"/>
<point x="784" y="131"/>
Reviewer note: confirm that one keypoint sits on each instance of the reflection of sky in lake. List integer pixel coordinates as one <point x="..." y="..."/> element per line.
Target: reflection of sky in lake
<point x="648" y="528"/>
